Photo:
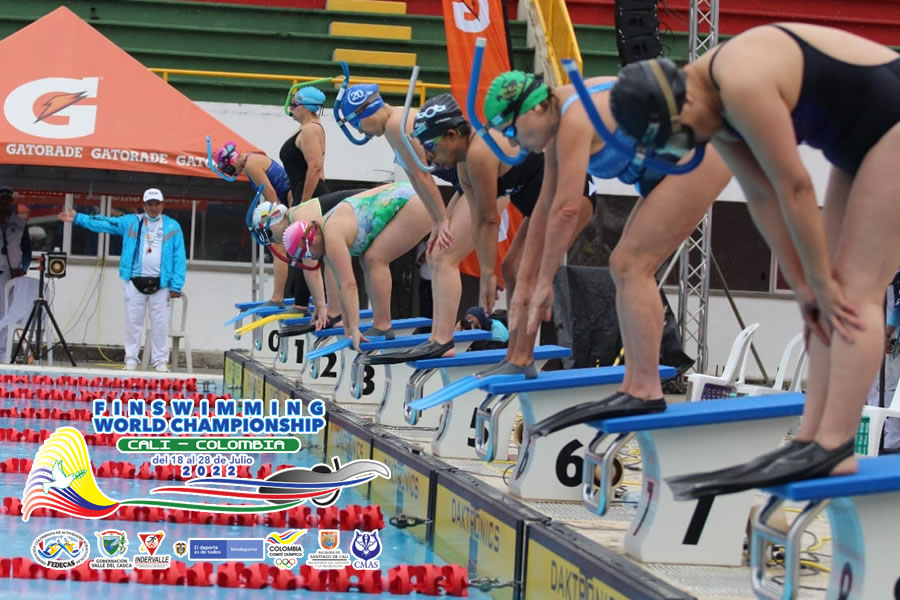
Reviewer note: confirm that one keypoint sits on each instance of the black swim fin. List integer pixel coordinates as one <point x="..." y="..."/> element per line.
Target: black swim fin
<point x="428" y="349"/>
<point x="619" y="404"/>
<point x="807" y="461"/>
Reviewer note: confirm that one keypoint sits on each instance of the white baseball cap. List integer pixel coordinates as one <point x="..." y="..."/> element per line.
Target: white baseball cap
<point x="153" y="194"/>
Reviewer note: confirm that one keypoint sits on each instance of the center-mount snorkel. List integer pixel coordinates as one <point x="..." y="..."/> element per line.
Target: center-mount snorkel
<point x="262" y="237"/>
<point x="404" y="120"/>
<point x="480" y="129"/>
<point x="642" y="156"/>
<point x="340" y="118"/>
<point x="212" y="164"/>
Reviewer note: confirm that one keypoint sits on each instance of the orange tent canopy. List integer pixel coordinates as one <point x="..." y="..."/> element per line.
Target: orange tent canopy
<point x="72" y="98"/>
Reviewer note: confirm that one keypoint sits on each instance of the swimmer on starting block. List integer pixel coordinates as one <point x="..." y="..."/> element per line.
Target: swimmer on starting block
<point x="755" y="98"/>
<point x="380" y="225"/>
<point x="535" y="117"/>
<point x="269" y="222"/>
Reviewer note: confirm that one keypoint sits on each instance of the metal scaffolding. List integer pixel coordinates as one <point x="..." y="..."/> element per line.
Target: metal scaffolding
<point x="693" y="286"/>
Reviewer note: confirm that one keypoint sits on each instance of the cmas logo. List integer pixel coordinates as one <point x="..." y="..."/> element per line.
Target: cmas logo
<point x="365" y="548"/>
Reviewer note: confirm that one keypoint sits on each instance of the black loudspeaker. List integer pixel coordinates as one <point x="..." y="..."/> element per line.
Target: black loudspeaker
<point x="637" y="30"/>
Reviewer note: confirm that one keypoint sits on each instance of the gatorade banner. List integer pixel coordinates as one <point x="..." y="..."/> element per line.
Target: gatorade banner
<point x="464" y="22"/>
<point x="75" y="99"/>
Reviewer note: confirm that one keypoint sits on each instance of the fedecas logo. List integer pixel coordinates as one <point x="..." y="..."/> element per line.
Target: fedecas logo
<point x="51" y="107"/>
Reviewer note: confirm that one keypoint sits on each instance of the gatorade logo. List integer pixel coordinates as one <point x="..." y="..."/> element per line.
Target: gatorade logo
<point x="470" y="20"/>
<point x="53" y="107"/>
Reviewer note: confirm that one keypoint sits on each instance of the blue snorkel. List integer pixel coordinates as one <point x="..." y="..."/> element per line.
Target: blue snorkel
<point x="340" y="117"/>
<point x="480" y="129"/>
<point x="404" y="121"/>
<point x="641" y="156"/>
<point x="212" y="164"/>
<point x="262" y="240"/>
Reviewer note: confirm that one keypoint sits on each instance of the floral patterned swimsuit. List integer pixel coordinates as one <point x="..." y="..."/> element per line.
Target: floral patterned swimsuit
<point x="374" y="210"/>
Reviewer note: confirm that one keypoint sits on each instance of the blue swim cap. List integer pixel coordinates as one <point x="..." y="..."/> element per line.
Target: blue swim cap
<point x="355" y="98"/>
<point x="311" y="98"/>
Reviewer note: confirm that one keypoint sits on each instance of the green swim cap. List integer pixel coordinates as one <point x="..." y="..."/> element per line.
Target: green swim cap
<point x="504" y="97"/>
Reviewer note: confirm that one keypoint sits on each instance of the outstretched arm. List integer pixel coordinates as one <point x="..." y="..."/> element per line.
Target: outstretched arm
<point x="97" y="223"/>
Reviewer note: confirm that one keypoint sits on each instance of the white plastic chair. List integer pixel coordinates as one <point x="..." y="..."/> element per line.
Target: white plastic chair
<point x="732" y="375"/>
<point x="176" y="334"/>
<point x="877" y="415"/>
<point x="784" y="365"/>
<point x="18" y="299"/>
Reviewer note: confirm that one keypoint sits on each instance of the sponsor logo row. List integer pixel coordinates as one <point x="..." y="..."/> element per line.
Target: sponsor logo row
<point x="63" y="549"/>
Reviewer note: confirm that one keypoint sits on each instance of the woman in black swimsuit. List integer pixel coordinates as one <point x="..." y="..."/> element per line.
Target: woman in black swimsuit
<point x="303" y="157"/>
<point x="755" y="98"/>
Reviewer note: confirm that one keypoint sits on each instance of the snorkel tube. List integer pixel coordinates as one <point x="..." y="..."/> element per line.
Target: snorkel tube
<point x="212" y="164"/>
<point x="297" y="86"/>
<point x="474" y="78"/>
<point x="339" y="114"/>
<point x="404" y="121"/>
<point x="642" y="156"/>
<point x="261" y="238"/>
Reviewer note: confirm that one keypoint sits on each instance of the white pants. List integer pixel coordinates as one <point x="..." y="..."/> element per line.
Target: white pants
<point x="135" y="305"/>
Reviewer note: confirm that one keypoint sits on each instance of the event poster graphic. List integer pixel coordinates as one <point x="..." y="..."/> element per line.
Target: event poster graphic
<point x="62" y="479"/>
<point x="203" y="443"/>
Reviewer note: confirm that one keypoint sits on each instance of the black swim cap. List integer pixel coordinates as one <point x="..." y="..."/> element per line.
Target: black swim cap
<point x="436" y="116"/>
<point x="646" y="100"/>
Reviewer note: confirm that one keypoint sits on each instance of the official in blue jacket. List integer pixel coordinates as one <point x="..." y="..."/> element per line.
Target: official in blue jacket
<point x="152" y="266"/>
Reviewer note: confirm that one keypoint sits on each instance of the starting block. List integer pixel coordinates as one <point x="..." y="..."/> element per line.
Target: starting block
<point x="292" y="349"/>
<point x="457" y="425"/>
<point x="862" y="510"/>
<point x="688" y="438"/>
<point x="389" y="395"/>
<point x="337" y="360"/>
<point x="562" y="452"/>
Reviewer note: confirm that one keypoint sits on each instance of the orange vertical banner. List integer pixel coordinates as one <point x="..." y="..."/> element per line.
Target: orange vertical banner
<point x="464" y="22"/>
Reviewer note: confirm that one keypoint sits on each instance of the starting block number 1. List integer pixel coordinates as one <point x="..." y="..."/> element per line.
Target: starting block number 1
<point x="274" y="343"/>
